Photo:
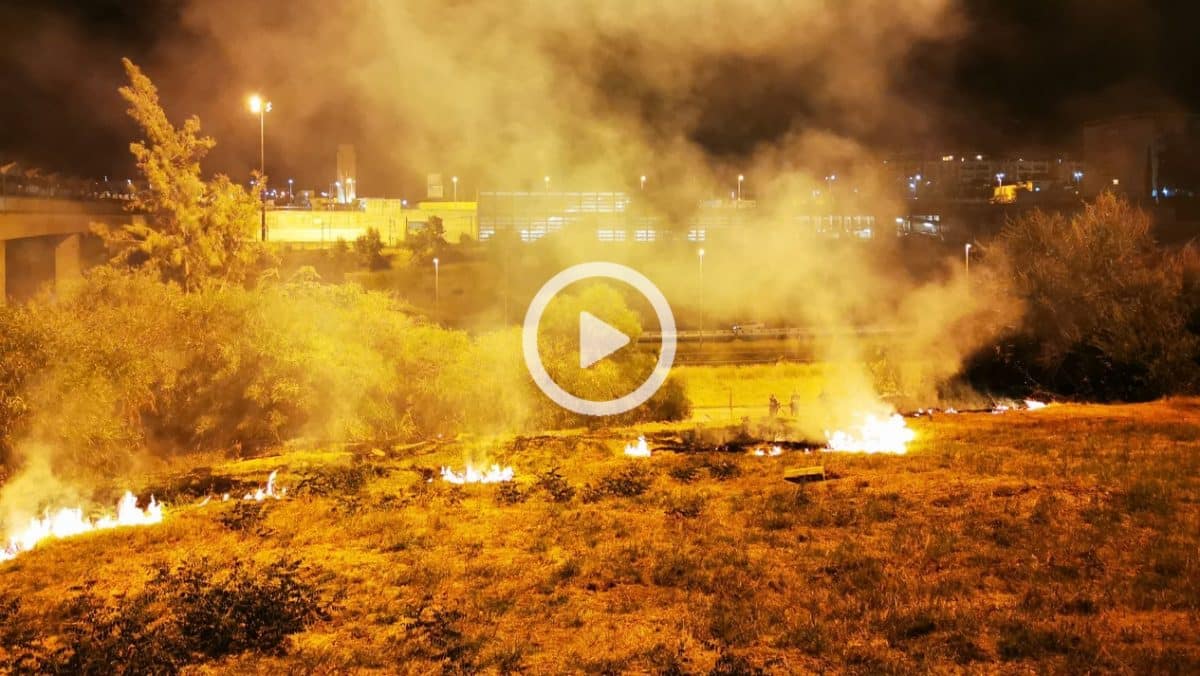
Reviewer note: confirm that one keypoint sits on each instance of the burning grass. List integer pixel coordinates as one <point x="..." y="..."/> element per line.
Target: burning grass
<point x="1062" y="539"/>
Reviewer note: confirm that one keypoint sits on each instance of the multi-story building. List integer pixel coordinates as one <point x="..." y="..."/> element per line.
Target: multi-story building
<point x="1143" y="156"/>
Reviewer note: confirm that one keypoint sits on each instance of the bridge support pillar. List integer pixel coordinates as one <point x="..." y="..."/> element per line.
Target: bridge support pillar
<point x="3" y="272"/>
<point x="66" y="260"/>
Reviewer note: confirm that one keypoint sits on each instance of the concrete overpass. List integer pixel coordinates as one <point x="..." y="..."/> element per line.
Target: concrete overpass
<point x="42" y="239"/>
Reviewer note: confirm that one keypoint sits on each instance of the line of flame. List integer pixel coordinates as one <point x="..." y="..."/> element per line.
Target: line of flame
<point x="67" y="522"/>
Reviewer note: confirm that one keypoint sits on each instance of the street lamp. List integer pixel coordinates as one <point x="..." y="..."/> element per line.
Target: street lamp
<point x="260" y="108"/>
<point x="1000" y="179"/>
<point x="967" y="259"/>
<point x="739" y="191"/>
<point x="701" y="252"/>
<point x="437" y="310"/>
<point x="291" y="189"/>
<point x="546" y="180"/>
<point x="454" y="180"/>
<point x="643" y="179"/>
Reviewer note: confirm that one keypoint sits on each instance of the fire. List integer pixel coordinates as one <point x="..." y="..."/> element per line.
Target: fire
<point x="874" y="435"/>
<point x="774" y="451"/>
<point x="473" y="476"/>
<point x="640" y="450"/>
<point x="268" y="491"/>
<point x="1034" y="404"/>
<point x="67" y="522"/>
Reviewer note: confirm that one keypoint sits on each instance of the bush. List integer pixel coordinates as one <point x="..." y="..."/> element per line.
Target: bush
<point x="557" y="487"/>
<point x="236" y="608"/>
<point x="369" y="248"/>
<point x="139" y="363"/>
<point x="627" y="482"/>
<point x="1109" y="314"/>
<point x="195" y="612"/>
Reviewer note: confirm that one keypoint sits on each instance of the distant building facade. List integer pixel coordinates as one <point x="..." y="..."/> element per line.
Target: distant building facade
<point x="1144" y="156"/>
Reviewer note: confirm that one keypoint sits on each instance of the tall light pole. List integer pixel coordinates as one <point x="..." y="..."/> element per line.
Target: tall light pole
<point x="437" y="296"/>
<point x="741" y="178"/>
<point x="260" y="107"/>
<point x="454" y="180"/>
<point x="643" y="180"/>
<point x="546" y="180"/>
<point x="701" y="296"/>
<point x="291" y="189"/>
<point x="1000" y="179"/>
<point x="967" y="259"/>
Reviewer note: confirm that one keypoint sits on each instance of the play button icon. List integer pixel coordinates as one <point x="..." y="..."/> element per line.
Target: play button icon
<point x="597" y="339"/>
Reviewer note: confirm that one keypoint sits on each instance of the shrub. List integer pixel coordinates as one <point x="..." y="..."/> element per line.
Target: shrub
<point x="369" y="248"/>
<point x="195" y="612"/>
<point x="509" y="493"/>
<point x="553" y="483"/>
<point x="627" y="482"/>
<point x="238" y="608"/>
<point x="244" y="516"/>
<point x="1108" y="312"/>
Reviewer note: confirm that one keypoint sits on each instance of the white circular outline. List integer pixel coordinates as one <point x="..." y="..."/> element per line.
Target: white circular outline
<point x="533" y="359"/>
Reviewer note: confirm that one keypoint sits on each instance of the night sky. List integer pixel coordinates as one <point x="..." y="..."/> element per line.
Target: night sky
<point x="1023" y="74"/>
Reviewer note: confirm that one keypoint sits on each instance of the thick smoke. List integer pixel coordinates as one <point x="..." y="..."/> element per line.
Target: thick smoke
<point x="590" y="93"/>
<point x="597" y="93"/>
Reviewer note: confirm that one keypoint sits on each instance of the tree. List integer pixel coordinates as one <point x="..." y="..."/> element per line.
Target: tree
<point x="194" y="231"/>
<point x="369" y="247"/>
<point x="1107" y="309"/>
<point x="428" y="241"/>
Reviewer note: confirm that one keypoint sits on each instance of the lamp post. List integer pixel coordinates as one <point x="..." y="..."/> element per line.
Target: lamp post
<point x="260" y="107"/>
<point x="643" y="182"/>
<point x="1000" y="179"/>
<point x="741" y="178"/>
<point x="546" y="181"/>
<point x="291" y="189"/>
<point x="701" y="252"/>
<point x="967" y="259"/>
<point x="454" y="180"/>
<point x="437" y="305"/>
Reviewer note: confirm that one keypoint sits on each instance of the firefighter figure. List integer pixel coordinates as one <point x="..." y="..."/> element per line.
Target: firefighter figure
<point x="774" y="405"/>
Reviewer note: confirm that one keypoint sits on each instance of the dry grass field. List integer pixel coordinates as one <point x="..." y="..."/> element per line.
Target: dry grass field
<point x="1060" y="540"/>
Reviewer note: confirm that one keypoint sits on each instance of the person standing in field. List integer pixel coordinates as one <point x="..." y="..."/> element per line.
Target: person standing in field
<point x="773" y="404"/>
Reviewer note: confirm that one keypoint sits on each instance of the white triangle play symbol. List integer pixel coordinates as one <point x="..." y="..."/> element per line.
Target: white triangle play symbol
<point x="597" y="339"/>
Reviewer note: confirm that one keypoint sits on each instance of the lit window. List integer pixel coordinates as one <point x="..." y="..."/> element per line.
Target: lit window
<point x="645" y="235"/>
<point x="696" y="235"/>
<point x="610" y="235"/>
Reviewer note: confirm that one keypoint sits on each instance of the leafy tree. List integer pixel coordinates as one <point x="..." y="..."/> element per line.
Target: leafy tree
<point x="369" y="247"/>
<point x="193" y="230"/>
<point x="1107" y="309"/>
<point x="428" y="241"/>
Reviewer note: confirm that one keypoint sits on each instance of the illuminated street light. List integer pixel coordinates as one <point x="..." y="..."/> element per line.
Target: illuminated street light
<point x="437" y="312"/>
<point x="701" y="252"/>
<point x="967" y="259"/>
<point x="643" y="179"/>
<point x="546" y="180"/>
<point x="454" y="180"/>
<point x="291" y="189"/>
<point x="260" y="107"/>
<point x="1000" y="179"/>
<point x="741" y="178"/>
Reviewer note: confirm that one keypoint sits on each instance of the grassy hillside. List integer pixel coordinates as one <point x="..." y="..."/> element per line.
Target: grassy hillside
<point x="1059" y="540"/>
